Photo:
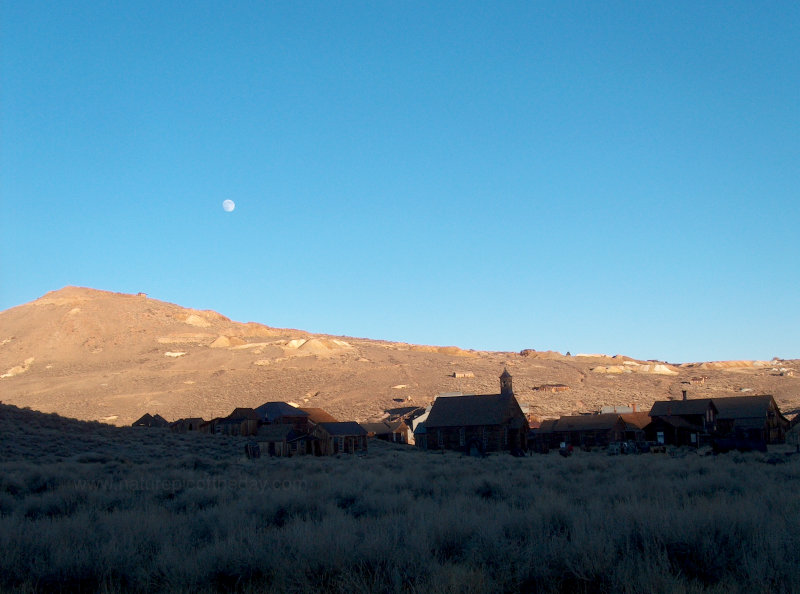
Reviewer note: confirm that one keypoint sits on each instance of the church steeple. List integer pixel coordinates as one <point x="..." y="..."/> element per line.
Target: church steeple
<point x="505" y="384"/>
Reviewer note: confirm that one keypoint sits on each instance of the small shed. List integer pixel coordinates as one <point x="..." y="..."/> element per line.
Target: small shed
<point x="340" y="438"/>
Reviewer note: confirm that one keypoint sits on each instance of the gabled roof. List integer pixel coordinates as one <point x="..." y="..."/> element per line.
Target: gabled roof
<point x="317" y="415"/>
<point x="376" y="428"/>
<point x="588" y="422"/>
<point x="343" y="429"/>
<point x="144" y="421"/>
<point x="637" y="420"/>
<point x="271" y="411"/>
<point x="403" y="412"/>
<point x="742" y="407"/>
<point x="396" y="424"/>
<point x="148" y="420"/>
<point x="697" y="406"/>
<point x="242" y="414"/>
<point x="470" y="411"/>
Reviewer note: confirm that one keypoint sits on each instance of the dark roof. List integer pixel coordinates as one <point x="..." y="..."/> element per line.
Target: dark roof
<point x="344" y="428"/>
<point x="743" y="407"/>
<point x="601" y="422"/>
<point x="376" y="428"/>
<point x="144" y="421"/>
<point x="698" y="406"/>
<point x="242" y="414"/>
<point x="468" y="411"/>
<point x="148" y="420"/>
<point x="317" y="415"/>
<point x="396" y="424"/>
<point x="638" y="420"/>
<point x="271" y="411"/>
<point x="678" y="423"/>
<point x="795" y="421"/>
<point x="159" y="421"/>
<point x="405" y="412"/>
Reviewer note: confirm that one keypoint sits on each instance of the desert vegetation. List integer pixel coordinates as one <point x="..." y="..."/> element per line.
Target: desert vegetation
<point x="89" y="507"/>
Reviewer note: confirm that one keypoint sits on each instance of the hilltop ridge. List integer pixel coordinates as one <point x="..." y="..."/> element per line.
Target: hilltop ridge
<point x="100" y="355"/>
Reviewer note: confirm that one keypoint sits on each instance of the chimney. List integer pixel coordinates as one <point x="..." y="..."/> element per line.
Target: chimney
<point x="684" y="394"/>
<point x="634" y="407"/>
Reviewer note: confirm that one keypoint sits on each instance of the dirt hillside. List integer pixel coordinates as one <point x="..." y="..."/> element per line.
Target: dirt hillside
<point x="97" y="355"/>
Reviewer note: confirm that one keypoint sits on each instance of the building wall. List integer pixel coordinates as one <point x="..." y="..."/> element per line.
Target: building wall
<point x="490" y="438"/>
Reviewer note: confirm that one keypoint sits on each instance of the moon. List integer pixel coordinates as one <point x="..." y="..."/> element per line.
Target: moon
<point x="228" y="205"/>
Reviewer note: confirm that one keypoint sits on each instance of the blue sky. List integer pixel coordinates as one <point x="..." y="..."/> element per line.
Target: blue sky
<point x="616" y="177"/>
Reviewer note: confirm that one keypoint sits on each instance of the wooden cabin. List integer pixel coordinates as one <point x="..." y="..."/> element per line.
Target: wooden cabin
<point x="753" y="417"/>
<point x="186" y="425"/>
<point x="635" y="425"/>
<point x="339" y="438"/>
<point x="282" y="440"/>
<point x="589" y="430"/>
<point x="394" y="431"/>
<point x="689" y="422"/>
<point x="487" y="423"/>
<point x="242" y="421"/>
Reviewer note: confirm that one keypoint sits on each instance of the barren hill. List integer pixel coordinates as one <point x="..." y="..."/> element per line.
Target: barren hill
<point x="97" y="355"/>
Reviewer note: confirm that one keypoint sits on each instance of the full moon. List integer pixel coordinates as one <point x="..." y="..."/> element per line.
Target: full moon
<point x="228" y="205"/>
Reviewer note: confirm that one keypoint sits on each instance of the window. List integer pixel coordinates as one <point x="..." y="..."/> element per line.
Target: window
<point x="462" y="437"/>
<point x="505" y="436"/>
<point x="439" y="438"/>
<point x="660" y="438"/>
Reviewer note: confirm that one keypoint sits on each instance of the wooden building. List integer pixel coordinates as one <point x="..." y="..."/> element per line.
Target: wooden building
<point x="590" y="430"/>
<point x="340" y="438"/>
<point x="283" y="440"/>
<point x="394" y="431"/>
<point x="242" y="421"/>
<point x="487" y="423"/>
<point x="752" y="417"/>
<point x="635" y="425"/>
<point x="186" y="425"/>
<point x="689" y="422"/>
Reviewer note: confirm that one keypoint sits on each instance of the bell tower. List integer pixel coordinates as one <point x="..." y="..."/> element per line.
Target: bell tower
<point x="505" y="384"/>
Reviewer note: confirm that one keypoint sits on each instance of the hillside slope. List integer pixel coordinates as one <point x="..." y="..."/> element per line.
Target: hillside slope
<point x="98" y="355"/>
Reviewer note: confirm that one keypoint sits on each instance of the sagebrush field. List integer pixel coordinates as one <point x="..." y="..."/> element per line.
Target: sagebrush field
<point x="90" y="507"/>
